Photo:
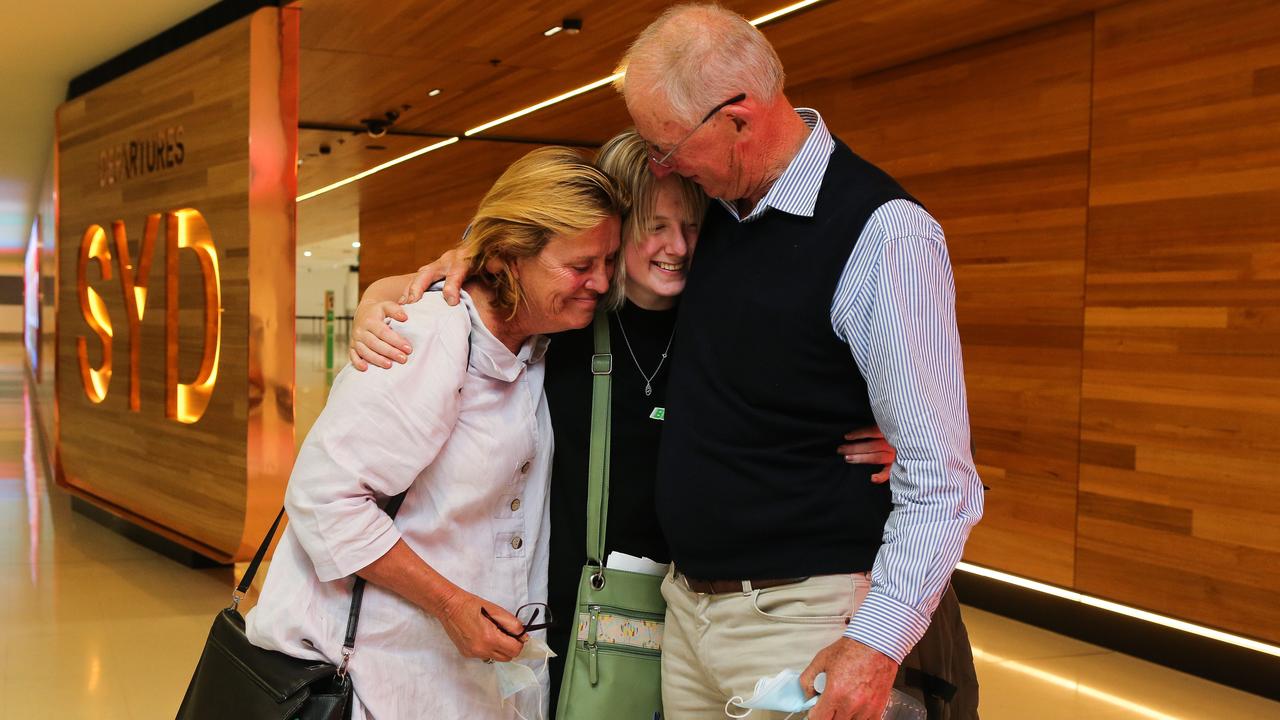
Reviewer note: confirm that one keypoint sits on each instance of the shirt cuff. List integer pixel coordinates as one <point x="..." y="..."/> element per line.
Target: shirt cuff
<point x="887" y="626"/>
<point x="352" y="557"/>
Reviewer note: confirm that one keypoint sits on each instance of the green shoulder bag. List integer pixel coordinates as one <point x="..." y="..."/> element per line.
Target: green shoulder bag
<point x="614" y="665"/>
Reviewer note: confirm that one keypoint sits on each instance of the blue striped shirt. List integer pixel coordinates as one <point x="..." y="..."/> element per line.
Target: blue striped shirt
<point x="895" y="307"/>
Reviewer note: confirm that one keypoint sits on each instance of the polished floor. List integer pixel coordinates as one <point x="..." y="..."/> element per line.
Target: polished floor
<point x="95" y="626"/>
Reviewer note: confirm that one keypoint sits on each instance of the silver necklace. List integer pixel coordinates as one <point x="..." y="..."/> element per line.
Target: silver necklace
<point x="648" y="379"/>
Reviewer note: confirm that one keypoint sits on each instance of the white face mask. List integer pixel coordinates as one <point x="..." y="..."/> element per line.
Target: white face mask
<point x="514" y="677"/>
<point x="782" y="692"/>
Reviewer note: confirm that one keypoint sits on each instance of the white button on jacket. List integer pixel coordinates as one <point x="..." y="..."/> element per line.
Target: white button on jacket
<point x="455" y="433"/>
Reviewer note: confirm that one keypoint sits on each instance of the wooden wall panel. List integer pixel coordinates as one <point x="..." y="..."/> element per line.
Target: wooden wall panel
<point x="1009" y="189"/>
<point x="410" y="214"/>
<point x="1181" y="417"/>
<point x="214" y="484"/>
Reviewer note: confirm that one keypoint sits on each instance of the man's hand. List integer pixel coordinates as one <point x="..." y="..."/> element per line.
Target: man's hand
<point x="859" y="680"/>
<point x="450" y="267"/>
<point x="867" y="446"/>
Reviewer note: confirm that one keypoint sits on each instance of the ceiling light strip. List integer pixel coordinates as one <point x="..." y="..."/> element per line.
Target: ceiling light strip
<point x="526" y="111"/>
<point x="545" y="103"/>
<point x="1174" y="623"/>
<point x="784" y="12"/>
<point x="377" y="168"/>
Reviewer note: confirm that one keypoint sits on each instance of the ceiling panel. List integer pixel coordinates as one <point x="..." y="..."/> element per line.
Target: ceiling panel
<point x="362" y="60"/>
<point x="349" y="153"/>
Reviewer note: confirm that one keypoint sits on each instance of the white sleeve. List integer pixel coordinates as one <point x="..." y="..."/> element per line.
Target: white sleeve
<point x="897" y="312"/>
<point x="379" y="430"/>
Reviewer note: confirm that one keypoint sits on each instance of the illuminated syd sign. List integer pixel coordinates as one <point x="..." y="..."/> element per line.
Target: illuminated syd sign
<point x="184" y="229"/>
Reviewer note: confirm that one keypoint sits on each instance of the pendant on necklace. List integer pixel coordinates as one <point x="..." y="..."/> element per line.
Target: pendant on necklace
<point x="648" y="389"/>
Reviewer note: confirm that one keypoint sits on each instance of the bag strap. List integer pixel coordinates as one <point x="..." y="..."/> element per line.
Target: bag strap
<point x="357" y="590"/>
<point x="357" y="596"/>
<point x="252" y="570"/>
<point x="598" y="456"/>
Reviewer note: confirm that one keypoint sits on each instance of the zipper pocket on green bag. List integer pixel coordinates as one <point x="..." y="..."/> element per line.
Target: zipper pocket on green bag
<point x="593" y="647"/>
<point x="646" y="628"/>
<point x="628" y="613"/>
<point x="625" y="650"/>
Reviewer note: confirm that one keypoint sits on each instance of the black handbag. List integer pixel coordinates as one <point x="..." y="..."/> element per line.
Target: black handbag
<point x="236" y="679"/>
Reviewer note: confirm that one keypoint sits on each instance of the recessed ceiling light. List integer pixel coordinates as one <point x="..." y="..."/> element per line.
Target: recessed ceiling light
<point x="355" y="244"/>
<point x="434" y="92"/>
<point x="552" y="31"/>
<point x="306" y="253"/>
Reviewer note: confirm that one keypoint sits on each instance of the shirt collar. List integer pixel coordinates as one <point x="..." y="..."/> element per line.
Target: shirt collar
<point x="491" y="357"/>
<point x="796" y="191"/>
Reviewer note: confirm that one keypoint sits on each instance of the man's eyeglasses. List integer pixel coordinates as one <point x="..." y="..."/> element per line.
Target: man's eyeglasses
<point x="655" y="153"/>
<point x="528" y="617"/>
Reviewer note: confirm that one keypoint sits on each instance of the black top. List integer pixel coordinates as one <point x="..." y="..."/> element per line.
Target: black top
<point x="632" y="525"/>
<point x="762" y="390"/>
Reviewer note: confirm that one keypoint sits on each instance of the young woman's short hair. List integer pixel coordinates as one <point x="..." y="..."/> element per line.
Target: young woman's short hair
<point x="625" y="158"/>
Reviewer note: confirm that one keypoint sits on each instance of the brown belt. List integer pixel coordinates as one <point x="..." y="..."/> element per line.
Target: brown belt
<point x="715" y="587"/>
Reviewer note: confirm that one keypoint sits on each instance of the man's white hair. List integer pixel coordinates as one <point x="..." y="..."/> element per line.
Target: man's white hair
<point x="697" y="56"/>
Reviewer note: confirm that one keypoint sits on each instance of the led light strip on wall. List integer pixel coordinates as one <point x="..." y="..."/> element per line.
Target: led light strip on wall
<point x="521" y="113"/>
<point x="1115" y="607"/>
<point x="1072" y="685"/>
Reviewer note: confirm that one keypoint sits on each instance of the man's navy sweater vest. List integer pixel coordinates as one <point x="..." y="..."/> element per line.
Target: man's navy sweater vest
<point x="762" y="391"/>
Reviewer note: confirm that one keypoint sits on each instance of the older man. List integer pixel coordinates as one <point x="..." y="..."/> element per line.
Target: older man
<point x="822" y="298"/>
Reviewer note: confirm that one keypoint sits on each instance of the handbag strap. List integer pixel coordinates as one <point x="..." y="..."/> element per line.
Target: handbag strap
<point x="252" y="570"/>
<point x="598" y="456"/>
<point x="357" y="590"/>
<point x="357" y="595"/>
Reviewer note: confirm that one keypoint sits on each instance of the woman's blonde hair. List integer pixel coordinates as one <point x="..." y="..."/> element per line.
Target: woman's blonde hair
<point x="550" y="191"/>
<point x="625" y="157"/>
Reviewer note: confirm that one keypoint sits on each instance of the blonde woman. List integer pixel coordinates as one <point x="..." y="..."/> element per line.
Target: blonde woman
<point x="463" y="427"/>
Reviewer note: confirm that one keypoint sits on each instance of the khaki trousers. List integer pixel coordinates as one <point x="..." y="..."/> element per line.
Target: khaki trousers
<point x="716" y="647"/>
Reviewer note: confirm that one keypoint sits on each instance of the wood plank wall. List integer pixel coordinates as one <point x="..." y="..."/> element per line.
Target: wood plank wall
<point x="1179" y="508"/>
<point x="101" y="447"/>
<point x="213" y="485"/>
<point x="414" y="213"/>
<point x="1009" y="189"/>
<point x="1110" y="188"/>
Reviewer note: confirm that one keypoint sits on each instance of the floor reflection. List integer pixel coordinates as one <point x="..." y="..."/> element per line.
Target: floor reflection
<point x="314" y="379"/>
<point x="31" y="482"/>
<point x="94" y="626"/>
